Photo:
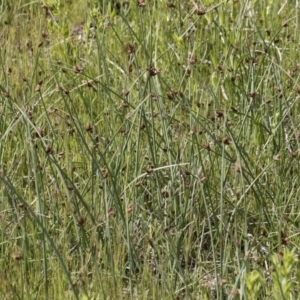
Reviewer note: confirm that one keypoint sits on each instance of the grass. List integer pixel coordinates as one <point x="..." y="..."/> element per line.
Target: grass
<point x="149" y="150"/>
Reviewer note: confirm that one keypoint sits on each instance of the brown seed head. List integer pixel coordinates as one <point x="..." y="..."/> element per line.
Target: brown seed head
<point x="141" y="3"/>
<point x="226" y="140"/>
<point x="111" y="212"/>
<point x="223" y="282"/>
<point x="200" y="11"/>
<point x="235" y="293"/>
<point x="170" y="95"/>
<point x="37" y="88"/>
<point x="150" y="170"/>
<point x="129" y="208"/>
<point x="165" y="194"/>
<point x="17" y="256"/>
<point x="77" y="69"/>
<point x="153" y="71"/>
<point x="81" y="220"/>
<point x="131" y="49"/>
<point x="88" y="127"/>
<point x="219" y="114"/>
<point x="48" y="150"/>
<point x="170" y="5"/>
<point x="20" y="205"/>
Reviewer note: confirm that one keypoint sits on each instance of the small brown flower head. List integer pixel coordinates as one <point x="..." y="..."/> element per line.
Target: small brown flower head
<point x="235" y="293"/>
<point x="77" y="69"/>
<point x="188" y="73"/>
<point x="223" y="282"/>
<point x="219" y="114"/>
<point x="130" y="68"/>
<point x="284" y="239"/>
<point x="29" y="114"/>
<point x="37" y="88"/>
<point x="220" y="69"/>
<point x="165" y="194"/>
<point x="276" y="157"/>
<point x="105" y="173"/>
<point x="111" y="212"/>
<point x="199" y="103"/>
<point x="280" y="254"/>
<point x="192" y="59"/>
<point x="17" y="256"/>
<point x="200" y="11"/>
<point x="58" y="88"/>
<point x="170" y="5"/>
<point x="262" y="231"/>
<point x="39" y="131"/>
<point x="81" y="221"/>
<point x="9" y="71"/>
<point x="20" y="205"/>
<point x="5" y="94"/>
<point x="252" y="94"/>
<point x="48" y="150"/>
<point x="131" y="49"/>
<point x="125" y="93"/>
<point x="150" y="170"/>
<point x="201" y="177"/>
<point x="152" y="71"/>
<point x="44" y="34"/>
<point x="61" y="154"/>
<point x="150" y="242"/>
<point x="71" y="132"/>
<point x="185" y="173"/>
<point x="206" y="146"/>
<point x="171" y="95"/>
<point x="179" y="93"/>
<point x="293" y="154"/>
<point x="129" y="208"/>
<point x="237" y="168"/>
<point x="124" y="131"/>
<point x="107" y="25"/>
<point x="226" y="140"/>
<point x="153" y="96"/>
<point x="88" y="127"/>
<point x="141" y="3"/>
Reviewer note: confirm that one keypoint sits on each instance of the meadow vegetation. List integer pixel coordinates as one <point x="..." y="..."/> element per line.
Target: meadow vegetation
<point x="149" y="149"/>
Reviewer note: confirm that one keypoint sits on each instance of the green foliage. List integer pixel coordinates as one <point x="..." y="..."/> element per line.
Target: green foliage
<point x="283" y="276"/>
<point x="254" y="282"/>
<point x="149" y="150"/>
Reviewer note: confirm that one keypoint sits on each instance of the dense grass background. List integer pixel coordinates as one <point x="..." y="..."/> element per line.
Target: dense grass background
<point x="149" y="149"/>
